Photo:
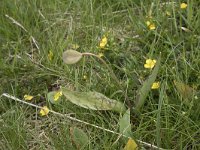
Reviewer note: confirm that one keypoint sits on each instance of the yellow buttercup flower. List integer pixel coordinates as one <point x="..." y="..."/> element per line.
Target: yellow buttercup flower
<point x="28" y="97"/>
<point x="151" y="25"/>
<point x="103" y="42"/>
<point x="44" y="111"/>
<point x="57" y="95"/>
<point x="50" y="55"/>
<point x="150" y="63"/>
<point x="155" y="85"/>
<point x="183" y="5"/>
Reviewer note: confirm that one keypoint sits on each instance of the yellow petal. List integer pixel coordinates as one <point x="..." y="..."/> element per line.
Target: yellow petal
<point x="44" y="111"/>
<point x="154" y="61"/>
<point x="147" y="66"/>
<point x="103" y="42"/>
<point x="104" y="39"/>
<point x="183" y="5"/>
<point x="57" y="95"/>
<point x="150" y="63"/>
<point x="28" y="97"/>
<point x="155" y="85"/>
<point x="131" y="145"/>
<point x="152" y="26"/>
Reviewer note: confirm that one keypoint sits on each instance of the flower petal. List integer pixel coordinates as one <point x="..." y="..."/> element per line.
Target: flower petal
<point x="183" y="5"/>
<point x="155" y="85"/>
<point x="28" y="97"/>
<point x="44" y="111"/>
<point x="57" y="95"/>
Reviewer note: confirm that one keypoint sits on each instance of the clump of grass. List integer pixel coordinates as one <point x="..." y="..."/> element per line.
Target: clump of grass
<point x="135" y="31"/>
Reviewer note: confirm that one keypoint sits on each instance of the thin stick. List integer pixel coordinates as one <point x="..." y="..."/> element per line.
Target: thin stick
<point x="77" y="120"/>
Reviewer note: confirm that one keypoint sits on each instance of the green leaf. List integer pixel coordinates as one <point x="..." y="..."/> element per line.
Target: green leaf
<point x="93" y="100"/>
<point x="185" y="91"/>
<point x="51" y="98"/>
<point x="124" y="124"/>
<point x="71" y="56"/>
<point x="131" y="145"/>
<point x="78" y="137"/>
<point x="144" y="91"/>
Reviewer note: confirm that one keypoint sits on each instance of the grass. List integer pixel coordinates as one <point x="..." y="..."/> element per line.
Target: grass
<point x="165" y="120"/>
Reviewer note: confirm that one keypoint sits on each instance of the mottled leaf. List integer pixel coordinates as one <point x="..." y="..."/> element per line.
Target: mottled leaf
<point x="184" y="90"/>
<point x="93" y="100"/>
<point x="124" y="124"/>
<point x="71" y="56"/>
<point x="146" y="87"/>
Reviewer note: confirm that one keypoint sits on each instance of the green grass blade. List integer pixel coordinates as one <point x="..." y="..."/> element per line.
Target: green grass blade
<point x="124" y="124"/>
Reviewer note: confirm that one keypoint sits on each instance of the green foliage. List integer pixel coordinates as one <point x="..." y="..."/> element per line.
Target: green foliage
<point x="93" y="100"/>
<point x="58" y="24"/>
<point x="71" y="56"/>
<point x="78" y="137"/>
<point x="125" y="124"/>
<point x="146" y="87"/>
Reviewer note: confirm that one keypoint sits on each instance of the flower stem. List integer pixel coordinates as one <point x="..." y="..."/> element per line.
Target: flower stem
<point x="104" y="62"/>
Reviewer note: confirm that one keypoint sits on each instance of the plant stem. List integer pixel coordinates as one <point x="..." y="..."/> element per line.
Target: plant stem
<point x="104" y="62"/>
<point x="112" y="75"/>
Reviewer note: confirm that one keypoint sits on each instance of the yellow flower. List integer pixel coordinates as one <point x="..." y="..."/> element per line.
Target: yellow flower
<point x="44" y="111"/>
<point x="183" y="5"/>
<point x="103" y="42"/>
<point x="150" y="25"/>
<point x="100" y="54"/>
<point x="50" y="55"/>
<point x="28" y="97"/>
<point x="150" y="63"/>
<point x="155" y="85"/>
<point x="57" y="95"/>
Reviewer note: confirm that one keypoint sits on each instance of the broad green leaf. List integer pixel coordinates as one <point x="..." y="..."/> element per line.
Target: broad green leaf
<point x="144" y="91"/>
<point x="124" y="124"/>
<point x="131" y="145"/>
<point x="185" y="91"/>
<point x="53" y="97"/>
<point x="71" y="56"/>
<point x="79" y="137"/>
<point x="93" y="100"/>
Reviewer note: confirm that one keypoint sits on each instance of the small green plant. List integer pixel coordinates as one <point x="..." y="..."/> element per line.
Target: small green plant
<point x="73" y="56"/>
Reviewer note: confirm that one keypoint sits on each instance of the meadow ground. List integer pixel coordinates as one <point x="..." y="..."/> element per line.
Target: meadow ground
<point x="35" y="33"/>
